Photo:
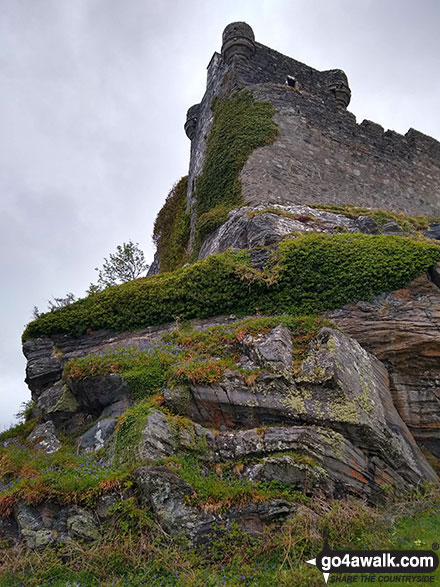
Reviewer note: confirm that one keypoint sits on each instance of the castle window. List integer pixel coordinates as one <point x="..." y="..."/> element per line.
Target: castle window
<point x="291" y="81"/>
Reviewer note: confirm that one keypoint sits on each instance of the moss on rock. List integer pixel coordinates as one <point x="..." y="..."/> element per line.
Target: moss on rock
<point x="310" y="273"/>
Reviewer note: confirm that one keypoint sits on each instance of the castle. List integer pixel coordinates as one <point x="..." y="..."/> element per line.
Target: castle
<point x="286" y="357"/>
<point x="321" y="154"/>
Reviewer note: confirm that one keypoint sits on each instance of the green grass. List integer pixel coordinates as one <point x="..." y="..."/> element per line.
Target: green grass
<point x="129" y="434"/>
<point x="221" y="489"/>
<point x="308" y="274"/>
<point x="145" y="368"/>
<point x="33" y="476"/>
<point x="20" y="431"/>
<point x="277" y="557"/>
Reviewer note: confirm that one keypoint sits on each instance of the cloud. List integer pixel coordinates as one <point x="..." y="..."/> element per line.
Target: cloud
<point x="94" y="96"/>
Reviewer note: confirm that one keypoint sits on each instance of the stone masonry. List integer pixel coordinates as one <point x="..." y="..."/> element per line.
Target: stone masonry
<point x="322" y="155"/>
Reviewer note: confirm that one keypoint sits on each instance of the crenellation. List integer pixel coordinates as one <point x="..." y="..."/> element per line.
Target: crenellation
<point x="212" y="69"/>
<point x="322" y="155"/>
<point x="424" y="144"/>
<point x="336" y="82"/>
<point x="372" y="127"/>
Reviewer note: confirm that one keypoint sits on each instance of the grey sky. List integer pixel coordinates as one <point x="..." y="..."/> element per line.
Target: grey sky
<point x="93" y="98"/>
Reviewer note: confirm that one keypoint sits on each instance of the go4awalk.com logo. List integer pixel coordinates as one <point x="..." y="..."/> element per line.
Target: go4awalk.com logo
<point x="376" y="565"/>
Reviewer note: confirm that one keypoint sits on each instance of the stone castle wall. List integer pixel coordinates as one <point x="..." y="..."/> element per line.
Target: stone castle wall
<point x="322" y="155"/>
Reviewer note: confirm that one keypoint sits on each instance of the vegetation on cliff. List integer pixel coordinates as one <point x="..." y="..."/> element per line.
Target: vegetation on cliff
<point x="307" y="274"/>
<point x="240" y="125"/>
<point x="190" y="356"/>
<point x="33" y="476"/>
<point x="409" y="224"/>
<point x="172" y="228"/>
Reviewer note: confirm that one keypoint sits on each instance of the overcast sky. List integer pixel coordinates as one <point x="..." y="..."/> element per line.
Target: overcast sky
<point x="93" y="97"/>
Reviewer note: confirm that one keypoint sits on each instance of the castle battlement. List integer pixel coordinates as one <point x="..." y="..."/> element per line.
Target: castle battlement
<point x="322" y="155"/>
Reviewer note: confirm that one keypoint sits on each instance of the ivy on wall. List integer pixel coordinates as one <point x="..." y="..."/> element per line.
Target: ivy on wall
<point x="240" y="125"/>
<point x="172" y="229"/>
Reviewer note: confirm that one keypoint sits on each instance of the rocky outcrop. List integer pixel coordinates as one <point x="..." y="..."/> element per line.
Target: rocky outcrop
<point x="98" y="436"/>
<point x="337" y="386"/>
<point x="96" y="393"/>
<point x="253" y="227"/>
<point x="51" y="523"/>
<point x="273" y="352"/>
<point x="67" y="407"/>
<point x="43" y="437"/>
<point x="170" y="499"/>
<point x="339" y="422"/>
<point x="402" y="329"/>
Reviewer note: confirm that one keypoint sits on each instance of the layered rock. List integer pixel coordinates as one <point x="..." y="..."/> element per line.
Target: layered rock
<point x="325" y="424"/>
<point x="338" y="422"/>
<point x="402" y="329"/>
<point x="72" y="407"/>
<point x="337" y="386"/>
<point x="169" y="496"/>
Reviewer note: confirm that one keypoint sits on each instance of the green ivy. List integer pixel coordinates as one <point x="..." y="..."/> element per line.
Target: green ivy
<point x="309" y="274"/>
<point x="240" y="125"/>
<point x="172" y="229"/>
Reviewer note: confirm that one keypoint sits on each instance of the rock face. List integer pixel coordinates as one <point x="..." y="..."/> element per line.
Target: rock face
<point x="273" y="351"/>
<point x="402" y="329"/>
<point x="338" y="386"/>
<point x="43" y="437"/>
<point x="98" y="436"/>
<point x="168" y="496"/>
<point x="50" y="523"/>
<point x="260" y="226"/>
<point x="70" y="408"/>
<point x="96" y="393"/>
<point x="340" y="422"/>
<point x="253" y="227"/>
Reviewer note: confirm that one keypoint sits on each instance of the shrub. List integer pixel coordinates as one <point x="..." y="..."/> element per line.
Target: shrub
<point x="311" y="273"/>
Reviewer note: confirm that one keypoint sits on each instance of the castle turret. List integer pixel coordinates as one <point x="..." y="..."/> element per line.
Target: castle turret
<point x="337" y="83"/>
<point x="191" y="121"/>
<point x="238" y="42"/>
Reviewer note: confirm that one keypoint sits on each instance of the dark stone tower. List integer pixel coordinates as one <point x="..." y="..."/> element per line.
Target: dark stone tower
<point x="322" y="155"/>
